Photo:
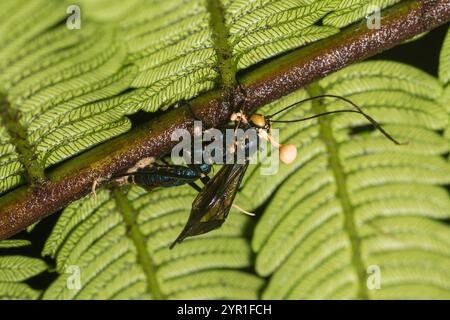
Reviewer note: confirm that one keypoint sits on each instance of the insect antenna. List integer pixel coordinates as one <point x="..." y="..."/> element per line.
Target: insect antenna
<point x="374" y="123"/>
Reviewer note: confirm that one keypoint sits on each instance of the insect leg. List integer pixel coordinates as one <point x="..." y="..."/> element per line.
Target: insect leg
<point x="195" y="186"/>
<point x="94" y="186"/>
<point x="243" y="211"/>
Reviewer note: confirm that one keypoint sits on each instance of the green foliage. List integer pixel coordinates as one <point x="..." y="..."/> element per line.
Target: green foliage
<point x="69" y="90"/>
<point x="444" y="76"/>
<point x="55" y="82"/>
<point x="350" y="11"/>
<point x="261" y="29"/>
<point x="347" y="204"/>
<point x="15" y="269"/>
<point x="359" y="201"/>
<point x="120" y="243"/>
<point x="444" y="66"/>
<point x="351" y="202"/>
<point x="13" y="243"/>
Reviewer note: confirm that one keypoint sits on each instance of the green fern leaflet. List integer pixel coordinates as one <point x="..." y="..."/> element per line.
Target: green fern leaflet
<point x="354" y="217"/>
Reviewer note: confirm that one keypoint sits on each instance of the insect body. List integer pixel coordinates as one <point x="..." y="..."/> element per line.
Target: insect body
<point x="154" y="176"/>
<point x="213" y="203"/>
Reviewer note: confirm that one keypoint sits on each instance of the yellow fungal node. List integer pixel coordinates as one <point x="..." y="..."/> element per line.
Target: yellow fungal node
<point x="288" y="153"/>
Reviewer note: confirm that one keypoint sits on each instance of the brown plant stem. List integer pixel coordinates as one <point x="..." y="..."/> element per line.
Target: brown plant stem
<point x="73" y="179"/>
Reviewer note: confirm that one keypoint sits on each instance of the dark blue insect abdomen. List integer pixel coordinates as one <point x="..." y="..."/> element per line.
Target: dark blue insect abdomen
<point x="168" y="176"/>
<point x="204" y="168"/>
<point x="156" y="180"/>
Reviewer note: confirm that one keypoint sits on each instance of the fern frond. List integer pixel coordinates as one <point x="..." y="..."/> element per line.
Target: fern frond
<point x="250" y="50"/>
<point x="10" y="166"/>
<point x="262" y="29"/>
<point x="120" y="244"/>
<point x="349" y="201"/>
<point x="56" y="83"/>
<point x="138" y="55"/>
<point x="355" y="201"/>
<point x="16" y="269"/>
<point x="350" y="11"/>
<point x="22" y="21"/>
<point x="444" y="65"/>
<point x="107" y="10"/>
<point x="445" y="102"/>
<point x="14" y="243"/>
<point x="170" y="43"/>
<point x="17" y="291"/>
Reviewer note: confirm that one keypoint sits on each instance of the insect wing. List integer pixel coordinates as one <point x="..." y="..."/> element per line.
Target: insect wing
<point x="211" y="206"/>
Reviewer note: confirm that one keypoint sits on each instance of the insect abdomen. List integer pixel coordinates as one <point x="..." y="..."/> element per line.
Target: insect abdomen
<point x="164" y="177"/>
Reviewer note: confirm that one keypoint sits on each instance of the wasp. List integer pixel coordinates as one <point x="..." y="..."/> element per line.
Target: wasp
<point x="214" y="201"/>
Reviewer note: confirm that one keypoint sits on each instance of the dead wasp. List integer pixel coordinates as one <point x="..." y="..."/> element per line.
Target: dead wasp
<point x="213" y="203"/>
